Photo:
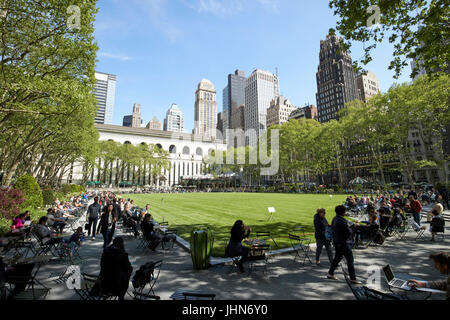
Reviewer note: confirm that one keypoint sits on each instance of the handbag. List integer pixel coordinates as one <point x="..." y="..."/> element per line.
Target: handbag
<point x="329" y="233"/>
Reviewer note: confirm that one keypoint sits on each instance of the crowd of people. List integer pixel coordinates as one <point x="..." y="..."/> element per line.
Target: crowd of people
<point x="384" y="212"/>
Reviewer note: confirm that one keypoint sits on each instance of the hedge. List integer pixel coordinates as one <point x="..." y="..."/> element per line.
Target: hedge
<point x="32" y="192"/>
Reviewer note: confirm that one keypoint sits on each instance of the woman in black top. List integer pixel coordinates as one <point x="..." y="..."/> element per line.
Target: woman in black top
<point x="115" y="269"/>
<point x="320" y="226"/>
<point x="108" y="219"/>
<point x="235" y="248"/>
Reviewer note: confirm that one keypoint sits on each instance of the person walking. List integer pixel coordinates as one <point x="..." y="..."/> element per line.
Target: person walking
<point x="416" y="208"/>
<point x="92" y="216"/>
<point x="107" y="225"/>
<point x="320" y="226"/>
<point x="343" y="243"/>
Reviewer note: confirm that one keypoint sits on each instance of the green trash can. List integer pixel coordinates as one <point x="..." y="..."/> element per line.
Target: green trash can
<point x="201" y="248"/>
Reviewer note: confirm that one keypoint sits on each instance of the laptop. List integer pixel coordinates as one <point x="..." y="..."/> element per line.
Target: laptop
<point x="393" y="281"/>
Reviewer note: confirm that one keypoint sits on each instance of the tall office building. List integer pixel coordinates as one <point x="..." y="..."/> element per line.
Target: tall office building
<point x="154" y="124"/>
<point x="368" y="85"/>
<point x="336" y="79"/>
<point x="136" y="117"/>
<point x="233" y="95"/>
<point x="261" y="87"/>
<point x="279" y="111"/>
<point x="174" y="121"/>
<point x="134" y="120"/>
<point x="205" y="110"/>
<point x="105" y="91"/>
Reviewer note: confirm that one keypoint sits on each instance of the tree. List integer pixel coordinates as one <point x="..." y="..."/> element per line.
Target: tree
<point x="418" y="29"/>
<point x="46" y="83"/>
<point x="32" y="192"/>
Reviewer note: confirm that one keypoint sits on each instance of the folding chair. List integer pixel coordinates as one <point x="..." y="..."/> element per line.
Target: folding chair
<point x="419" y="230"/>
<point x="265" y="235"/>
<point x="169" y="237"/>
<point x="152" y="279"/>
<point x="45" y="248"/>
<point x="143" y="244"/>
<point x="30" y="291"/>
<point x="438" y="226"/>
<point x="299" y="229"/>
<point x="301" y="247"/>
<point x="259" y="254"/>
<point x="234" y="262"/>
<point x="88" y="282"/>
<point x="400" y="231"/>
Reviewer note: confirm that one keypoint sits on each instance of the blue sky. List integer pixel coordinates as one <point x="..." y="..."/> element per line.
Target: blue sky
<point x="161" y="49"/>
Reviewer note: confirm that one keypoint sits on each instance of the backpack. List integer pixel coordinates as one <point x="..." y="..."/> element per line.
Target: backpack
<point x="143" y="275"/>
<point x="329" y="233"/>
<point x="379" y="238"/>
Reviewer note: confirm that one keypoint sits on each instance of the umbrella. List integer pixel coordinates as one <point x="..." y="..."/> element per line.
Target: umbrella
<point x="358" y="180"/>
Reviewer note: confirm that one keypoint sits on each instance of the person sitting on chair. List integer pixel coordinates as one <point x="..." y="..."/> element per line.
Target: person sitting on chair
<point x="442" y="263"/>
<point x="148" y="231"/>
<point x="436" y="225"/>
<point x="44" y="233"/>
<point x="437" y="207"/>
<point x="239" y="232"/>
<point x="115" y="270"/>
<point x="366" y="231"/>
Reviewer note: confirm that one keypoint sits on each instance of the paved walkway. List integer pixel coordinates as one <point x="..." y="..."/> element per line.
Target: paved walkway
<point x="285" y="281"/>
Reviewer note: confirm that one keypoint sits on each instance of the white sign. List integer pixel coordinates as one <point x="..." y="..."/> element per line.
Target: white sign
<point x="271" y="209"/>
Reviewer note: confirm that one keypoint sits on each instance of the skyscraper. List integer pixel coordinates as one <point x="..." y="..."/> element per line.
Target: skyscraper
<point x="261" y="87"/>
<point x="136" y="117"/>
<point x="154" y="124"/>
<point x="174" y="121"/>
<point x="105" y="91"/>
<point x="205" y="110"/>
<point x="234" y="95"/>
<point x="279" y="111"/>
<point x="368" y="85"/>
<point x="336" y="79"/>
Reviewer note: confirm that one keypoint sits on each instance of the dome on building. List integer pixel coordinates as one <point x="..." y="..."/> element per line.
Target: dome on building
<point x="205" y="84"/>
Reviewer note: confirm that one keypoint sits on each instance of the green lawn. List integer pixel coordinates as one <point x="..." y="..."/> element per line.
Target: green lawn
<point x="219" y="211"/>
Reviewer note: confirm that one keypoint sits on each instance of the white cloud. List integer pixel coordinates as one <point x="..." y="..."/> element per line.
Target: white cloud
<point x="114" y="56"/>
<point x="229" y="7"/>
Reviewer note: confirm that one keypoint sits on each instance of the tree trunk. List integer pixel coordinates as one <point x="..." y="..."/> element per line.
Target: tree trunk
<point x="11" y="172"/>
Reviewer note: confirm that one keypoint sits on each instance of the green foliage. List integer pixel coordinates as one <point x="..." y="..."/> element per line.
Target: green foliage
<point x="417" y="29"/>
<point x="48" y="196"/>
<point x="47" y="108"/>
<point x="32" y="192"/>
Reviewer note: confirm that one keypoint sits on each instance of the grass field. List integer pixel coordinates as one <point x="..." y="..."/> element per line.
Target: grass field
<point x="219" y="211"/>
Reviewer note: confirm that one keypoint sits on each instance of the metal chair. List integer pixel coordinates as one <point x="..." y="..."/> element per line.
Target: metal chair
<point x="301" y="247"/>
<point x="259" y="254"/>
<point x="152" y="278"/>
<point x="169" y="237"/>
<point x="265" y="235"/>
